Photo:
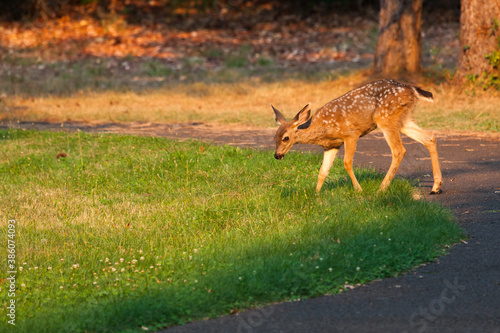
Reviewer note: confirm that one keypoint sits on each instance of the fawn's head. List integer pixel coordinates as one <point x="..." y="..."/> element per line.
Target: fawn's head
<point x="286" y="135"/>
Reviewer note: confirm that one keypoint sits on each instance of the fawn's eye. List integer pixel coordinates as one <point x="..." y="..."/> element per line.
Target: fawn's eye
<point x="286" y="138"/>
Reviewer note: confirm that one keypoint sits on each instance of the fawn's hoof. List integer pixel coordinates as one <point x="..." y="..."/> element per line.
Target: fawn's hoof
<point x="436" y="192"/>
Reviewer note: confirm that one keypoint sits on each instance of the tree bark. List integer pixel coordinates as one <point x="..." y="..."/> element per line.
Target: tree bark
<point x="399" y="46"/>
<point x="479" y="37"/>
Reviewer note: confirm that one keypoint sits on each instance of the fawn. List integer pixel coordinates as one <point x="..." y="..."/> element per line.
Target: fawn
<point x="383" y="104"/>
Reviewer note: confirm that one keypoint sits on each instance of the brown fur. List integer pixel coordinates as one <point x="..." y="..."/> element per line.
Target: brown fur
<point x="384" y="104"/>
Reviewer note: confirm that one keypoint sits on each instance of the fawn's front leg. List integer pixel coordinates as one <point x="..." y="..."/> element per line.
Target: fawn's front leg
<point x="398" y="152"/>
<point x="350" y="148"/>
<point x="328" y="158"/>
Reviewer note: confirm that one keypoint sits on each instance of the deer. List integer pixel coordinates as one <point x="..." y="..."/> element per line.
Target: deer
<point x="384" y="104"/>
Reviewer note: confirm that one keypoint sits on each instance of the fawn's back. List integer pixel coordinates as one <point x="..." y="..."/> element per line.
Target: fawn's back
<point x="384" y="103"/>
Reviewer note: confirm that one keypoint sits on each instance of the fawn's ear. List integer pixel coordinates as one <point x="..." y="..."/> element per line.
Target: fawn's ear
<point x="280" y="119"/>
<point x="303" y="115"/>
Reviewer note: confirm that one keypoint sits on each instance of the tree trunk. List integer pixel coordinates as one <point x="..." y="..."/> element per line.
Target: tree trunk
<point x="479" y="39"/>
<point x="399" y="46"/>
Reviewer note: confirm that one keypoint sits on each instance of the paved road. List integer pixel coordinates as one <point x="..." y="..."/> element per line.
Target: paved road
<point x="460" y="292"/>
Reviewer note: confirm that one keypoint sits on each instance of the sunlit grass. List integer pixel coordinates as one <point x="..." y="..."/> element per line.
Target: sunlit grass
<point x="243" y="101"/>
<point x="457" y="109"/>
<point x="129" y="231"/>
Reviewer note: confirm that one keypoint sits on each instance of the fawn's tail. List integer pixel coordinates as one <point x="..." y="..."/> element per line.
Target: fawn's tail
<point x="423" y="94"/>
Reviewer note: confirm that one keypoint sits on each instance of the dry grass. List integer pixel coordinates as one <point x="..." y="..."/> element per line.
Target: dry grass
<point x="244" y="103"/>
<point x="456" y="109"/>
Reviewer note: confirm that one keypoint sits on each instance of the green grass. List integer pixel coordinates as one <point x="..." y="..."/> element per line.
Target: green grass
<point x="134" y="231"/>
<point x="156" y="69"/>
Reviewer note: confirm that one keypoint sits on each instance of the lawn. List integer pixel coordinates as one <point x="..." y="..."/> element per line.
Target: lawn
<point x="127" y="233"/>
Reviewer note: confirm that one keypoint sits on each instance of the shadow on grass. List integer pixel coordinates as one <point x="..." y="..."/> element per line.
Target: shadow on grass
<point x="338" y="178"/>
<point x="363" y="176"/>
<point x="266" y="272"/>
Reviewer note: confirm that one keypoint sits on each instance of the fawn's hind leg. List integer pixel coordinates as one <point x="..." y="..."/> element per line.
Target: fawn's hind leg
<point x="413" y="131"/>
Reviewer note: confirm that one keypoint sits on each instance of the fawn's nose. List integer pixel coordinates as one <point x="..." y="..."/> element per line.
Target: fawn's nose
<point x="278" y="156"/>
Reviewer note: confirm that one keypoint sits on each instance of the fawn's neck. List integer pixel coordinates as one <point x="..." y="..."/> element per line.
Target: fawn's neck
<point x="313" y="133"/>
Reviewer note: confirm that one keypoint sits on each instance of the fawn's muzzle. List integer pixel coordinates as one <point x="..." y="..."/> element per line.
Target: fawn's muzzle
<point x="278" y="156"/>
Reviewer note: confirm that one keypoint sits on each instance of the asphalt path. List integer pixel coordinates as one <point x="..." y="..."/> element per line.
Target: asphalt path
<point x="459" y="292"/>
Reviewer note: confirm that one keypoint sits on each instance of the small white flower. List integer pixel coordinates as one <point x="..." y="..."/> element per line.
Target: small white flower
<point x="134" y="261"/>
<point x="240" y="278"/>
<point x="317" y="267"/>
<point x="76" y="266"/>
<point x="61" y="287"/>
<point x="140" y="251"/>
<point x="113" y="269"/>
<point x="20" y="268"/>
<point x="106" y="260"/>
<point x="49" y="268"/>
<point x="151" y="266"/>
<point x="320" y="259"/>
<point x="122" y="270"/>
<point x="330" y="269"/>
<point x="23" y="285"/>
<point x="121" y="259"/>
<point x="36" y="267"/>
<point x="195" y="250"/>
<point x="142" y="258"/>
<point x="357" y="268"/>
<point x="95" y="282"/>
